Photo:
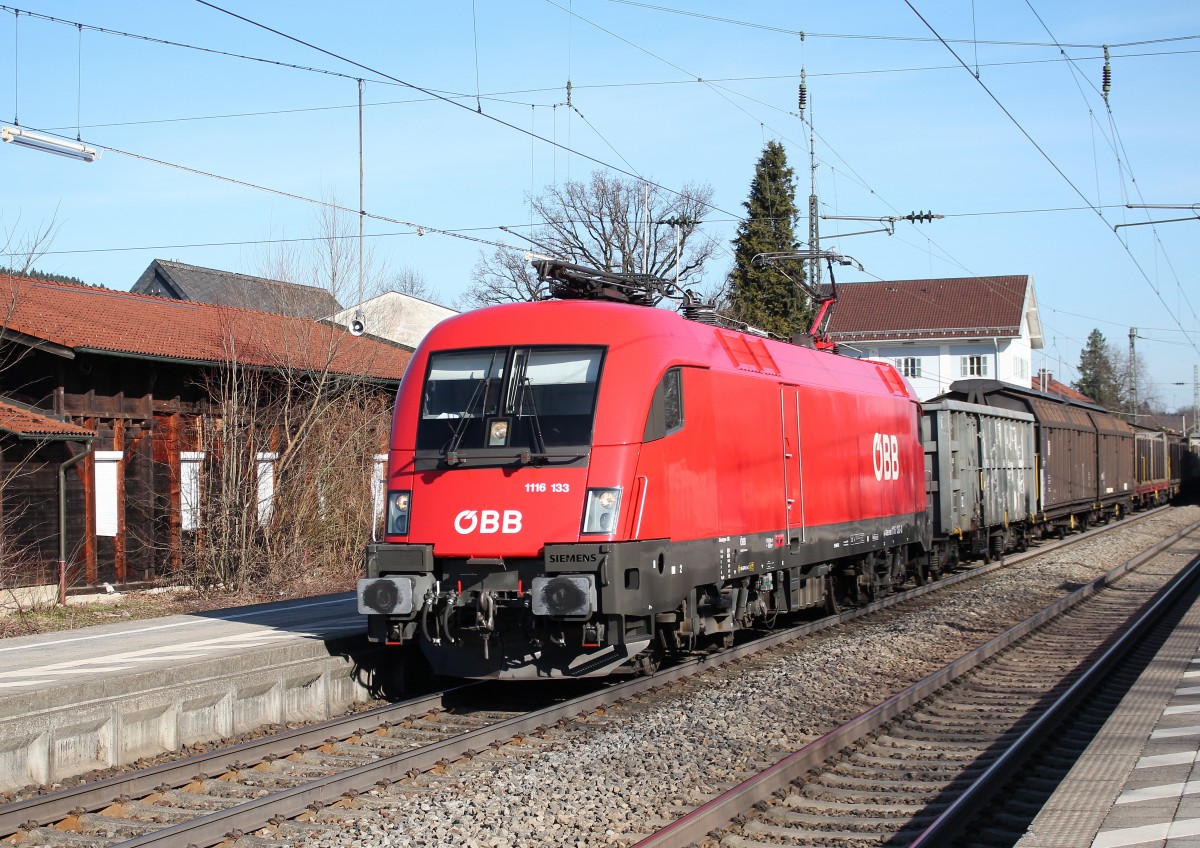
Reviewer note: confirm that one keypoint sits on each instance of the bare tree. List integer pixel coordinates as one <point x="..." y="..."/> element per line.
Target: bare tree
<point x="23" y="539"/>
<point x="1130" y="375"/>
<point x="330" y="259"/>
<point x="20" y="543"/>
<point x="22" y="249"/>
<point x="609" y="223"/>
<point x="505" y="276"/>
<point x="287" y="500"/>
<point x="412" y="282"/>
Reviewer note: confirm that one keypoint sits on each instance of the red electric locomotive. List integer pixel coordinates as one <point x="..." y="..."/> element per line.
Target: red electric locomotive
<point x="578" y="485"/>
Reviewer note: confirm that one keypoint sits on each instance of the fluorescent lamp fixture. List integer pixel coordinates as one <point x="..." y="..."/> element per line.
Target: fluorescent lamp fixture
<point x="50" y="144"/>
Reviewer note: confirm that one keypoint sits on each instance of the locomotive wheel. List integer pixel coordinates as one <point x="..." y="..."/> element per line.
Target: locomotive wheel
<point x="832" y="607"/>
<point x="937" y="559"/>
<point x="714" y="643"/>
<point x="920" y="572"/>
<point x="872" y="589"/>
<point x="649" y="661"/>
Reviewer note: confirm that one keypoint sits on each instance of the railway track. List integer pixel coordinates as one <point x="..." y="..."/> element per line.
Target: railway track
<point x="280" y="781"/>
<point x="922" y="767"/>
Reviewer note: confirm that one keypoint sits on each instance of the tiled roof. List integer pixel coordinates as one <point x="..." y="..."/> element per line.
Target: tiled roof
<point x="960" y="307"/>
<point x="1155" y="421"/>
<point x="1047" y="384"/>
<point x="30" y="423"/>
<point x="225" y="288"/>
<point x="86" y="318"/>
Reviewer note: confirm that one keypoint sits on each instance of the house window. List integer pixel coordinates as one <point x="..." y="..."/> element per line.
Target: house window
<point x="1021" y="367"/>
<point x="190" y="463"/>
<point x="909" y="366"/>
<point x="265" y="464"/>
<point x="974" y="366"/>
<point x="108" y="467"/>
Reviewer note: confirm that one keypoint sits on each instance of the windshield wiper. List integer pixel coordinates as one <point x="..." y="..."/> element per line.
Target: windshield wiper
<point x="535" y="426"/>
<point x="460" y="432"/>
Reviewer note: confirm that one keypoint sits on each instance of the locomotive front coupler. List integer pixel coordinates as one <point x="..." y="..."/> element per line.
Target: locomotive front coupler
<point x="441" y="614"/>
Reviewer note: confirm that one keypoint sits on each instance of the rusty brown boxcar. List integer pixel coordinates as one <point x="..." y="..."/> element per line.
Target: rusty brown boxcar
<point x="1159" y="464"/>
<point x="1085" y="454"/>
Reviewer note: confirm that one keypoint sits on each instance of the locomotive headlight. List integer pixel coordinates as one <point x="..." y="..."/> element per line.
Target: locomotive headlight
<point x="398" y="504"/>
<point x="601" y="511"/>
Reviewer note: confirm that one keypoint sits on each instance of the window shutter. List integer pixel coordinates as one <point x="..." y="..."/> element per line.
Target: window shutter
<point x="108" y="465"/>
<point x="190" y="463"/>
<point x="265" y="463"/>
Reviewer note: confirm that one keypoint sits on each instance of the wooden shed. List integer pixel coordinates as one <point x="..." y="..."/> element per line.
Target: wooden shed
<point x="126" y="379"/>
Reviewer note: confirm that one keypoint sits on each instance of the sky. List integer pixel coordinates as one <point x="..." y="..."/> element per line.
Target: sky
<point x="220" y="133"/>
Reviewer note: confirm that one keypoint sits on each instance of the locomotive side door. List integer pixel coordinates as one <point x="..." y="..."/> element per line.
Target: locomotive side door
<point x="791" y="466"/>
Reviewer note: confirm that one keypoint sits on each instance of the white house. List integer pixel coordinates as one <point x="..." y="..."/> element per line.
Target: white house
<point x="939" y="331"/>
<point x="396" y="317"/>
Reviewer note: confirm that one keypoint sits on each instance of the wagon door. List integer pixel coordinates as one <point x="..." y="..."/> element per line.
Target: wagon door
<point x="793" y="479"/>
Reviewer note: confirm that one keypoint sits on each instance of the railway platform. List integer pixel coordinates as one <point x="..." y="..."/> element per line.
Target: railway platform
<point x="74" y="701"/>
<point x="1137" y="784"/>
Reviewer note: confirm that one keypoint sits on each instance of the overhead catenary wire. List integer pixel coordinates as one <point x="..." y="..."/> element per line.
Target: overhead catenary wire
<point x="168" y="43"/>
<point x="429" y="92"/>
<point x="79" y="85"/>
<point x="421" y="229"/>
<point x="475" y="35"/>
<point x="858" y="178"/>
<point x="581" y="87"/>
<point x="16" y="68"/>
<point x="500" y="96"/>
<point x="1054" y="165"/>
<point x="940" y="39"/>
<point x="869" y="37"/>
<point x="1116" y="143"/>
<point x="444" y="99"/>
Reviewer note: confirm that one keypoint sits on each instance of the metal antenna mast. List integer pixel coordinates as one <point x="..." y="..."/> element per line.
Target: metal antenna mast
<point x="1195" y="399"/>
<point x="1133" y="388"/>
<point x="814" y="236"/>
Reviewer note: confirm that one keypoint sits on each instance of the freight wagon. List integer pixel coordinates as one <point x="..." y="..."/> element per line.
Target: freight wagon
<point x="1159" y="464"/>
<point x="1085" y="454"/>
<point x="980" y="465"/>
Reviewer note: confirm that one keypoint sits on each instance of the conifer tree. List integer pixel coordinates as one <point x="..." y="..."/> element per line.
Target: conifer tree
<point x="1097" y="374"/>
<point x="761" y="296"/>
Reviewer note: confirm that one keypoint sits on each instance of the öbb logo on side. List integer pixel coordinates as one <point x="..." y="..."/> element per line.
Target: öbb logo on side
<point x="488" y="521"/>
<point x="885" y="455"/>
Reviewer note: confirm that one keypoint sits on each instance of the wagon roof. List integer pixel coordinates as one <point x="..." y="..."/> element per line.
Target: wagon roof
<point x="1047" y="407"/>
<point x="67" y="318"/>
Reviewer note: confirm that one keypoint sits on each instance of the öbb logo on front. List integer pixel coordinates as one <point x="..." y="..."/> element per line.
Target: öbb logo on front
<point x="885" y="455"/>
<point x="488" y="521"/>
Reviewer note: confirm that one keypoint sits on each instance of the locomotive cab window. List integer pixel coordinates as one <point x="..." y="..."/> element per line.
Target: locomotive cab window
<point x="666" y="407"/>
<point x="528" y="399"/>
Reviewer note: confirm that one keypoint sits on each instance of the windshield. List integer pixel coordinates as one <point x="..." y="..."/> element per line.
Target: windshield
<point x="525" y="398"/>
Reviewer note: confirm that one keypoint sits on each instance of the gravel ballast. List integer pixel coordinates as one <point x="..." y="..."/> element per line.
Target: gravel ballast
<point x="611" y="779"/>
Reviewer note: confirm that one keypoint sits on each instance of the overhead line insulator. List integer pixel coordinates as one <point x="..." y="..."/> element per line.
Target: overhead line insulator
<point x="1106" y="79"/>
